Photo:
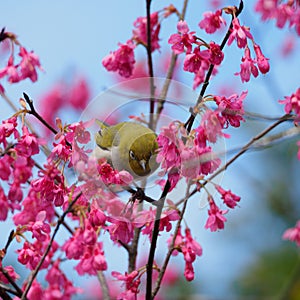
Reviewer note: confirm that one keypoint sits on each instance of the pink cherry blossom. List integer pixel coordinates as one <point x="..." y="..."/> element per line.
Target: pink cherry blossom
<point x="31" y="206"/>
<point x="293" y="234"/>
<point x="28" y="144"/>
<point x="216" y="54"/>
<point x="267" y="8"/>
<point x="232" y="108"/>
<point x="283" y="13"/>
<point x="111" y="176"/>
<point x="169" y="145"/>
<point x="60" y="151"/>
<point x="182" y="40"/>
<point x="295" y="20"/>
<point x="121" y="60"/>
<point x="11" y="71"/>
<point x="50" y="185"/>
<point x="189" y="273"/>
<point x="248" y="66"/>
<point x="74" y="246"/>
<point x="30" y="255"/>
<point x="213" y="124"/>
<point x="8" y="128"/>
<point x="209" y="162"/>
<point x="193" y="61"/>
<point x="10" y="271"/>
<point x="190" y="162"/>
<point x="28" y="64"/>
<point x="5" y="167"/>
<point x="131" y="281"/>
<point x="212" y="21"/>
<point x="228" y="197"/>
<point x="189" y="248"/>
<point x="121" y="229"/>
<point x="140" y="31"/>
<point x="92" y="260"/>
<point x="40" y="229"/>
<point x="4" y="205"/>
<point x="298" y="154"/>
<point x="216" y="219"/>
<point x="292" y="103"/>
<point x="262" y="61"/>
<point x="36" y="292"/>
<point x="79" y="93"/>
<point x="239" y="33"/>
<point x="97" y="216"/>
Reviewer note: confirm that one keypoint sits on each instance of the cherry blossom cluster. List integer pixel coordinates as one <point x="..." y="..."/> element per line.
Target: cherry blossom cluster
<point x="190" y="248"/>
<point x="123" y="60"/>
<point x="18" y="70"/>
<point x="197" y="61"/>
<point x="74" y="95"/>
<point x="284" y="12"/>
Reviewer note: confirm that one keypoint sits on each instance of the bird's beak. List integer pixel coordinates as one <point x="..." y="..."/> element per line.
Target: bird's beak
<point x="143" y="164"/>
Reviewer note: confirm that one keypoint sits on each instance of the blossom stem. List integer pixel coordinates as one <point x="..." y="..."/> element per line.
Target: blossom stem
<point x="4" y="290"/>
<point x="104" y="286"/>
<point x="37" y="115"/>
<point x="59" y="222"/>
<point x="189" y="123"/>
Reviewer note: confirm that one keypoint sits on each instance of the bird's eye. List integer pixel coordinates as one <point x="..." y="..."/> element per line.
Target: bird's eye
<point x="131" y="154"/>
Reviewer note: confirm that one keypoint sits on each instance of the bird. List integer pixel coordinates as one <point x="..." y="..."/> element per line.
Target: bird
<point x="128" y="146"/>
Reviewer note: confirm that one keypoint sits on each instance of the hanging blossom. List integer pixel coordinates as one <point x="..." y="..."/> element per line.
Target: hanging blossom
<point x="183" y="40"/>
<point x="190" y="249"/>
<point x="140" y="31"/>
<point x="239" y="33"/>
<point x="216" y="217"/>
<point x="122" y="60"/>
<point x="228" y="197"/>
<point x="212" y="21"/>
<point x="248" y="66"/>
<point x="293" y="234"/>
<point x="111" y="176"/>
<point x="24" y="68"/>
<point x="292" y="103"/>
<point x="10" y="271"/>
<point x="283" y="12"/>
<point x="231" y="108"/>
<point x="131" y="282"/>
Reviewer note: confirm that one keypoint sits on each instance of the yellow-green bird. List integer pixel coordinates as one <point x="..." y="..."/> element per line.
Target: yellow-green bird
<point x="128" y="146"/>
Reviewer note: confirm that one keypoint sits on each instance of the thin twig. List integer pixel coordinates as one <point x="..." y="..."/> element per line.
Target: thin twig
<point x="104" y="286"/>
<point x="3" y="292"/>
<point x="33" y="112"/>
<point x="12" y="282"/>
<point x="59" y="222"/>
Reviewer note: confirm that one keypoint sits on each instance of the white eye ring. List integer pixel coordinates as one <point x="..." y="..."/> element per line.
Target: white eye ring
<point x="131" y="154"/>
